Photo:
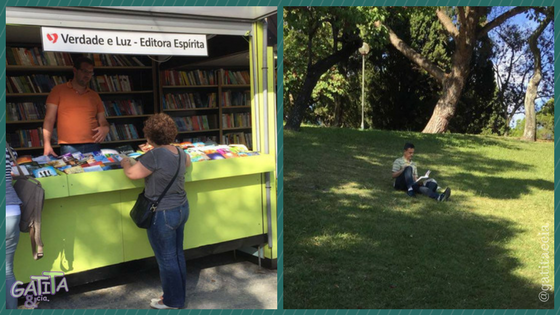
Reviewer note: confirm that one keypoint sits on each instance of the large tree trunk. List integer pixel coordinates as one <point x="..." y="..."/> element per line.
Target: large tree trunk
<point x="530" y="132"/>
<point x="446" y="106"/>
<point x="314" y="72"/>
<point x="455" y="81"/>
<point x="465" y="37"/>
<point x="337" y="111"/>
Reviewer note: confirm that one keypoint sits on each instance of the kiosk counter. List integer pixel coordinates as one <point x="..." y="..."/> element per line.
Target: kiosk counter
<point x="86" y="223"/>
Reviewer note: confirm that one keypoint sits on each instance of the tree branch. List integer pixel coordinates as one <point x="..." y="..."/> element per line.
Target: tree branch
<point x="501" y="19"/>
<point x="461" y="14"/>
<point x="445" y="20"/>
<point x="411" y="54"/>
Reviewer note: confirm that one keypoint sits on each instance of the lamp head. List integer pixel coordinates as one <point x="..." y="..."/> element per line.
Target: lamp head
<point x="364" y="50"/>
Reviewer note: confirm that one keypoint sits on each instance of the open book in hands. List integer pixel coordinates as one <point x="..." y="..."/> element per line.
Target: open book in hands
<point x="423" y="177"/>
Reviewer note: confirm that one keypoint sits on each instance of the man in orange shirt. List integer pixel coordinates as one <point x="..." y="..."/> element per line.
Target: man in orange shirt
<point x="78" y="112"/>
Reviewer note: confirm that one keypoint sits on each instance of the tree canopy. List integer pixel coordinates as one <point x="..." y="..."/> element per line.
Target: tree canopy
<point x="417" y="59"/>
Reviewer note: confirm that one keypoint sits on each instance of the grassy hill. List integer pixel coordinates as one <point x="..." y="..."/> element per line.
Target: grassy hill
<point x="352" y="241"/>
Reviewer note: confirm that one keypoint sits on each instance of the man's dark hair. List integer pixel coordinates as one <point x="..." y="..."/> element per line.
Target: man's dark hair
<point x="408" y="145"/>
<point x="78" y="62"/>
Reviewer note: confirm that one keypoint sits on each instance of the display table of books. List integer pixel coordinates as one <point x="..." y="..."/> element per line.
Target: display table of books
<point x="86" y="223"/>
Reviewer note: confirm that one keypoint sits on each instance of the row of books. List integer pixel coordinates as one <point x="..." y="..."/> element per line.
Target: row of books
<point x="200" y="139"/>
<point x="234" y="98"/>
<point x="106" y="60"/>
<point x="189" y="100"/>
<point x="236" y="120"/>
<point x="238" y="138"/>
<point x="190" y="78"/>
<point x="122" y="132"/>
<point x="192" y="123"/>
<point x="234" y="77"/>
<point x="20" y="56"/>
<point x="123" y="107"/>
<point x="111" y="83"/>
<point x="37" y="83"/>
<point x="25" y="111"/>
<point x="28" y="138"/>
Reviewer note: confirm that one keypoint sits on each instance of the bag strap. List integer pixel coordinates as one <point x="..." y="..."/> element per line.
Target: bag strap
<point x="15" y="160"/>
<point x="170" y="183"/>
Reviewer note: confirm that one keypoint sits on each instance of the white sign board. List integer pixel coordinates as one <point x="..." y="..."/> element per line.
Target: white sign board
<point x="117" y="42"/>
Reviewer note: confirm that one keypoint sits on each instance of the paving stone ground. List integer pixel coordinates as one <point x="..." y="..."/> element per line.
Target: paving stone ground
<point x="213" y="282"/>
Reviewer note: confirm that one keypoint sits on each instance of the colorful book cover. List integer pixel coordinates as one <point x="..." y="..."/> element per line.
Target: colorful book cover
<point x="215" y="156"/>
<point x="47" y="171"/>
<point x="95" y="168"/>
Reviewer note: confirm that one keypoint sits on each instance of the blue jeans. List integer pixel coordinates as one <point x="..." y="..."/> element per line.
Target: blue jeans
<point x="406" y="181"/>
<point x="83" y="148"/>
<point x="166" y="237"/>
<point x="12" y="238"/>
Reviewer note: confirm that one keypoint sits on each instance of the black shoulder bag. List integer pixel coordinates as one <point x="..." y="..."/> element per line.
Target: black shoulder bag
<point x="144" y="208"/>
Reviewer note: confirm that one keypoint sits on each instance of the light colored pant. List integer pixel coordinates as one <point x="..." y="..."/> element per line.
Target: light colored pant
<point x="12" y="238"/>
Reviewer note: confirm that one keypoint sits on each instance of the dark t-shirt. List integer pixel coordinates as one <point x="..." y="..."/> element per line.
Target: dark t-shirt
<point x="163" y="164"/>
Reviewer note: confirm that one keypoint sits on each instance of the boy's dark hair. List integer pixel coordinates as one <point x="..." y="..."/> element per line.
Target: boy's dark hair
<point x="408" y="145"/>
<point x="78" y="62"/>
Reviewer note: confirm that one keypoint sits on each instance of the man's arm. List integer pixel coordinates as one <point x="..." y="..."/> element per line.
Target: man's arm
<point x="48" y="126"/>
<point x="397" y="169"/>
<point x="397" y="173"/>
<point x="103" y="129"/>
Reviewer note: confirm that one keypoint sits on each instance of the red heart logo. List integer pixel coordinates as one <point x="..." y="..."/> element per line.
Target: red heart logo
<point x="52" y="37"/>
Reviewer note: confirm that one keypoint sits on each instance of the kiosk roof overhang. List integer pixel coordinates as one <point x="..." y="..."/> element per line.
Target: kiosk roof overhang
<point x="191" y="20"/>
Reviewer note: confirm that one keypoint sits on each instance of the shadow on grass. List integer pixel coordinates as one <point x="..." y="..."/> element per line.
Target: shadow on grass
<point x="380" y="258"/>
<point x="351" y="241"/>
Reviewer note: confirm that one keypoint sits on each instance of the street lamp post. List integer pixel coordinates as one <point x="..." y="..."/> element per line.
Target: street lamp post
<point x="364" y="50"/>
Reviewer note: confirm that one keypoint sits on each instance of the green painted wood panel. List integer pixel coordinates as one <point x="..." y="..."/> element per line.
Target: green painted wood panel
<point x="79" y="233"/>
<point x="55" y="187"/>
<point x="220" y="210"/>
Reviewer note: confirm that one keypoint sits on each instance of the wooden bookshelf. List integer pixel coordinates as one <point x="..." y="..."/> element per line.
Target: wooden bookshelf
<point x="149" y="88"/>
<point x="143" y="81"/>
<point x="213" y="113"/>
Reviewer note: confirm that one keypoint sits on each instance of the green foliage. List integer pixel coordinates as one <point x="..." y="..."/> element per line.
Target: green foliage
<point x="314" y="33"/>
<point x="478" y="109"/>
<point x="519" y="128"/>
<point x="545" y="123"/>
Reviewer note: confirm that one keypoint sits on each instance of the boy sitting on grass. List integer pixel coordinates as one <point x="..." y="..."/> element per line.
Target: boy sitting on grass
<point x="406" y="177"/>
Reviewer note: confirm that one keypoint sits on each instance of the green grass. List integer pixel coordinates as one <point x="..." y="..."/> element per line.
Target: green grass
<point x="352" y="241"/>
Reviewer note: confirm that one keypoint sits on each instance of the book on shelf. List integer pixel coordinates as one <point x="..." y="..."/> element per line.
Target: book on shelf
<point x="189" y="100"/>
<point x="238" y="138"/>
<point x="123" y="107"/>
<point x="25" y="111"/>
<point x="200" y="139"/>
<point x="189" y="78"/>
<point x="122" y="132"/>
<point x="22" y="56"/>
<point x="27" y="138"/>
<point x="235" y="98"/>
<point x="37" y="83"/>
<point x="111" y="83"/>
<point x="236" y="120"/>
<point x="110" y="60"/>
<point x="192" y="123"/>
<point x="229" y="77"/>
